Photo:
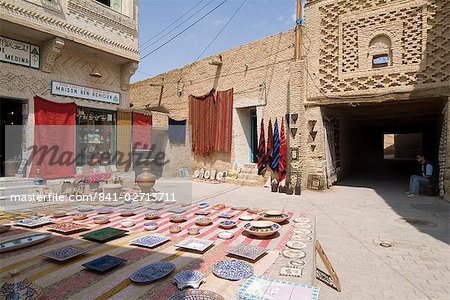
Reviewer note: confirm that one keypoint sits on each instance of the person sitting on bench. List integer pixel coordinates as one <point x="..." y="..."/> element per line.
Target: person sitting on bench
<point x="426" y="179"/>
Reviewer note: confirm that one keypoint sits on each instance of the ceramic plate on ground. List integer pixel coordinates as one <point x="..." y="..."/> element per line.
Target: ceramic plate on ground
<point x="207" y="174"/>
<point x="66" y="227"/>
<point x="195" y="244"/>
<point x="104" y="263"/>
<point x="262" y="224"/>
<point x="247" y="251"/>
<point x="202" y="213"/>
<point x="196" y="295"/>
<point x="302" y="231"/>
<point x="149" y="241"/>
<point x="219" y="206"/>
<point x="291" y="253"/>
<point x="227" y="224"/>
<point x="103" y="235"/>
<point x="297" y="245"/>
<point x="302" y="220"/>
<point x="274" y="212"/>
<point x="273" y="218"/>
<point x="203" y="204"/>
<point x="152" y="272"/>
<point x="23" y="242"/>
<point x="226" y="216"/>
<point x="297" y="263"/>
<point x="225" y="234"/>
<point x="15" y="287"/>
<point x="239" y="208"/>
<point x="32" y="222"/>
<point x="65" y="253"/>
<point x="301" y="238"/>
<point x="304" y="225"/>
<point x="196" y="173"/>
<point x="232" y="269"/>
<point x="178" y="210"/>
<point x="105" y="210"/>
<point x="246" y="218"/>
<point x="188" y="278"/>
<point x="262" y="231"/>
<point x="85" y="208"/>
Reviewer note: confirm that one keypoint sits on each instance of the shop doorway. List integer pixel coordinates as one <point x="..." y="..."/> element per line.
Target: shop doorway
<point x="10" y="114"/>
<point x="253" y="137"/>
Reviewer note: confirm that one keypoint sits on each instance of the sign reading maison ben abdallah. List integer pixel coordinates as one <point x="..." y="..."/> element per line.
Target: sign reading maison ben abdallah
<point x="19" y="53"/>
<point x="84" y="92"/>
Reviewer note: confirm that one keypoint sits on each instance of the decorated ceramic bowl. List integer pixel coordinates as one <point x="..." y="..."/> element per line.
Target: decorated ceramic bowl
<point x="273" y="218"/>
<point x="127" y="223"/>
<point x="127" y="213"/>
<point x="78" y="217"/>
<point x="227" y="224"/>
<point x="59" y="214"/>
<point x="101" y="220"/>
<point x="254" y="210"/>
<point x="193" y="230"/>
<point x="274" y="212"/>
<point x="239" y="208"/>
<point x="219" y="206"/>
<point x="225" y="234"/>
<point x="260" y="230"/>
<point x="178" y="218"/>
<point x="152" y="215"/>
<point x="175" y="228"/>
<point x="105" y="210"/>
<point x="150" y="226"/>
<point x="203" y="221"/>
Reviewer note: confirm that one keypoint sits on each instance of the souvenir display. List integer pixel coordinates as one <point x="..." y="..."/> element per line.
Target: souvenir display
<point x="301" y="238"/>
<point x="196" y="295"/>
<point x="195" y="244"/>
<point x="220" y="176"/>
<point x="23" y="242"/>
<point x="294" y="272"/>
<point x="239" y="208"/>
<point x="150" y="226"/>
<point x="188" y="278"/>
<point x="203" y="204"/>
<point x="261" y="228"/>
<point x="227" y="224"/>
<point x="247" y="251"/>
<point x="127" y="223"/>
<point x="105" y="210"/>
<point x="79" y="217"/>
<point x="178" y="210"/>
<point x="15" y="287"/>
<point x="127" y="213"/>
<point x="303" y="231"/>
<point x="67" y="227"/>
<point x="219" y="206"/>
<point x="273" y="218"/>
<point x="101" y="220"/>
<point x="291" y="253"/>
<point x="202" y="213"/>
<point x="4" y="228"/>
<point x="296" y="245"/>
<point x="152" y="215"/>
<point x="297" y="263"/>
<point x="104" y="234"/>
<point x="246" y="217"/>
<point x="149" y="241"/>
<point x="225" y="234"/>
<point x="152" y="272"/>
<point x="104" y="263"/>
<point x="232" y="269"/>
<point x="175" y="228"/>
<point x="193" y="230"/>
<point x="226" y="216"/>
<point x="302" y="220"/>
<point x="59" y="214"/>
<point x="32" y="222"/>
<point x="196" y="173"/>
<point x="65" y="253"/>
<point x="178" y="218"/>
<point x="203" y="221"/>
<point x="85" y="208"/>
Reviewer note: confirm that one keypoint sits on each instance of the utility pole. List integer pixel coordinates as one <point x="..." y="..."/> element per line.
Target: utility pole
<point x="298" y="31"/>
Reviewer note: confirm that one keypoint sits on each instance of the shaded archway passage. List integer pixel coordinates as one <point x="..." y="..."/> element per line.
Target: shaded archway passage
<point x="361" y="142"/>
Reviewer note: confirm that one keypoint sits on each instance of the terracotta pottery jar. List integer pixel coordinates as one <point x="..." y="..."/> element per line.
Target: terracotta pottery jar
<point x="146" y="180"/>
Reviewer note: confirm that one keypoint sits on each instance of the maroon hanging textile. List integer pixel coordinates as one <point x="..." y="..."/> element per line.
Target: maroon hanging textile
<point x="262" y="150"/>
<point x="54" y="129"/>
<point x="224" y="124"/>
<point x="202" y="119"/>
<point x="142" y="129"/>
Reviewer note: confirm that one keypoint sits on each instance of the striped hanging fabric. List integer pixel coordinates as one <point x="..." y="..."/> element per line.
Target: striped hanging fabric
<point x="283" y="150"/>
<point x="224" y="122"/>
<point x="202" y="119"/>
<point x="269" y="144"/>
<point x="262" y="150"/>
<point x="276" y="147"/>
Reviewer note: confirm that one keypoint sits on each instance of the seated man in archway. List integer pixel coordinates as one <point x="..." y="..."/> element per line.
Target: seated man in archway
<point x="416" y="180"/>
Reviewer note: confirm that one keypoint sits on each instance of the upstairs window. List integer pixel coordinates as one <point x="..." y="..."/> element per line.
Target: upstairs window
<point x="380" y="60"/>
<point x="380" y="51"/>
<point x="114" y="4"/>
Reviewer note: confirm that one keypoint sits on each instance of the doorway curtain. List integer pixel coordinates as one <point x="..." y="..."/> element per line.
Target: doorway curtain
<point x="142" y="130"/>
<point x="54" y="129"/>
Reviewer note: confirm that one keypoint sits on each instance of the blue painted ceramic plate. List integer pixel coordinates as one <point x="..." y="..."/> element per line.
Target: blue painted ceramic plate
<point x="150" y="241"/>
<point x="232" y="269"/>
<point x="196" y="295"/>
<point x="104" y="263"/>
<point x="152" y="272"/>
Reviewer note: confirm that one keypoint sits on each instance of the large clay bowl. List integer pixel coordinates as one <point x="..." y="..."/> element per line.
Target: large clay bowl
<point x="178" y="218"/>
<point x="261" y="231"/>
<point x="273" y="218"/>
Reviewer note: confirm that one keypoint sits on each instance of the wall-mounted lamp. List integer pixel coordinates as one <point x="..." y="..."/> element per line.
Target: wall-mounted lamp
<point x="95" y="70"/>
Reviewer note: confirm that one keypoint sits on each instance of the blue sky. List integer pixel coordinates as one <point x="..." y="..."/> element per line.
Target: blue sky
<point x="256" y="19"/>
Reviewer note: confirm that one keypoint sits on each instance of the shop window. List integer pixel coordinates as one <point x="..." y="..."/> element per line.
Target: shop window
<point x="114" y="4"/>
<point x="95" y="137"/>
<point x="380" y="51"/>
